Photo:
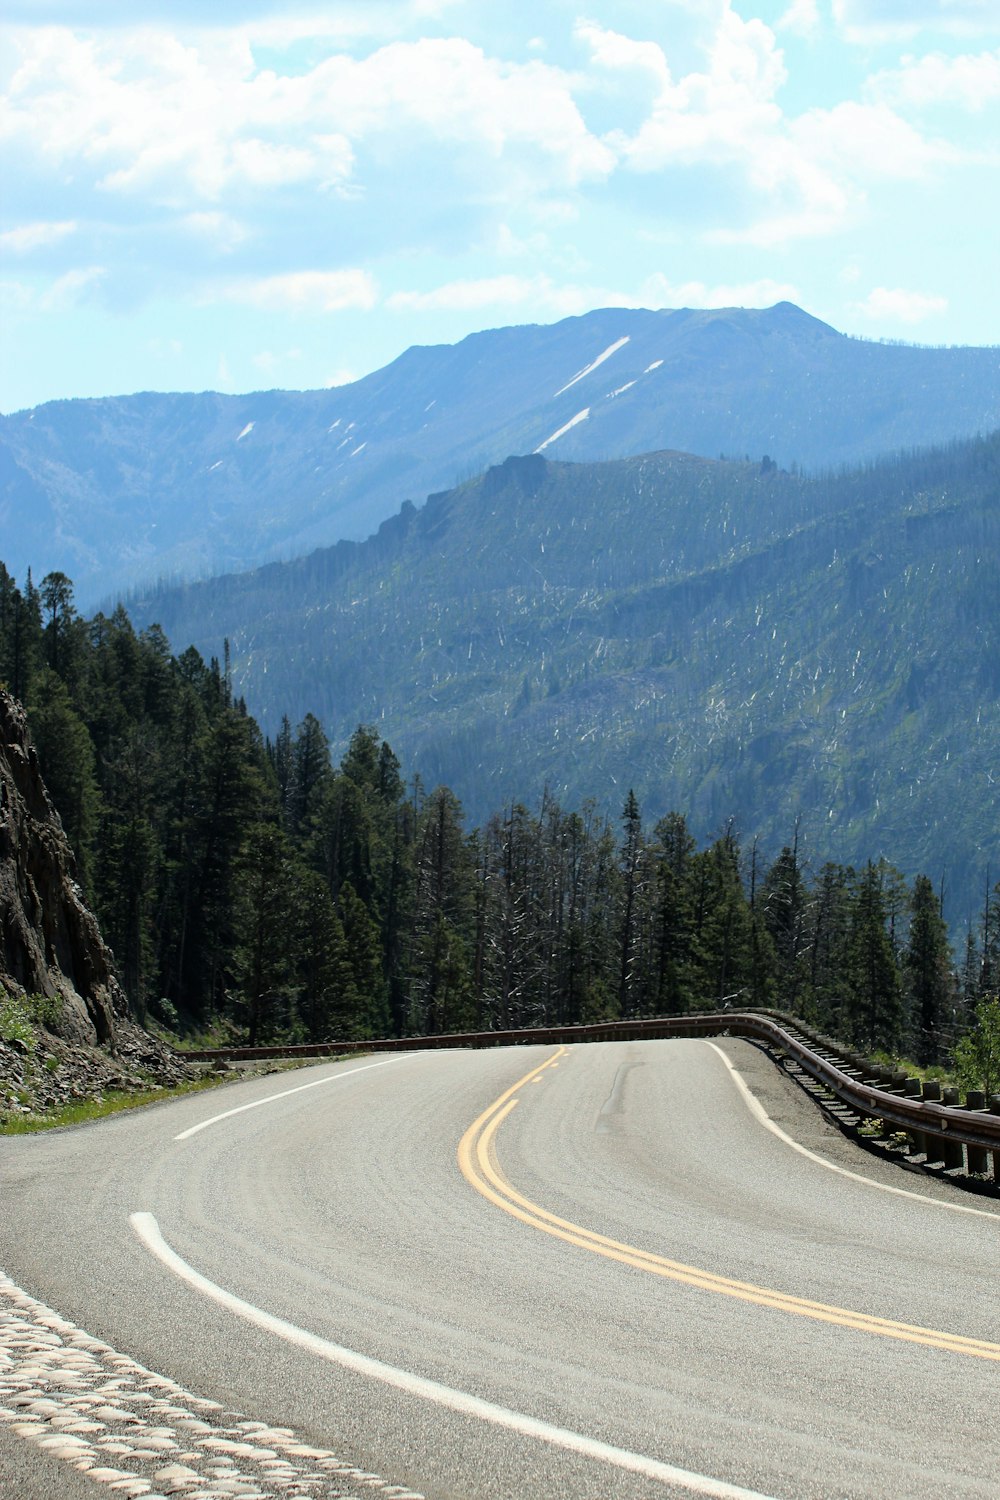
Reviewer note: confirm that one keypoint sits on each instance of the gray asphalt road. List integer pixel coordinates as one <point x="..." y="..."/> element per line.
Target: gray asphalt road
<point x="341" y="1208"/>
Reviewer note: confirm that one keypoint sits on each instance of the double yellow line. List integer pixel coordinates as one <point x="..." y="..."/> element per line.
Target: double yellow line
<point x="478" y="1162"/>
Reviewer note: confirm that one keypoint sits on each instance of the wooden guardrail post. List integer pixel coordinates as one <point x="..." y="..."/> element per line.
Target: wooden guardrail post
<point x="916" y="1138"/>
<point x="883" y="1081"/>
<point x="954" y="1156"/>
<point x="932" y="1093"/>
<point x="979" y="1157"/>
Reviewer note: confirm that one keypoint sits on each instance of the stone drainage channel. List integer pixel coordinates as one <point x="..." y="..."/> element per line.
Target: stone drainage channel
<point x="139" y="1434"/>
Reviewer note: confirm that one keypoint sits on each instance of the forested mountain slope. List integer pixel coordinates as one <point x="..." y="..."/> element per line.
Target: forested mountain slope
<point x="128" y="489"/>
<point x="729" y="639"/>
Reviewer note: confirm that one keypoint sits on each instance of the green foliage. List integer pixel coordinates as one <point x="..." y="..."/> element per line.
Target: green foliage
<point x="15" y="1022"/>
<point x="44" y="1010"/>
<point x="254" y="890"/>
<point x="727" y="641"/>
<point x="977" y="1055"/>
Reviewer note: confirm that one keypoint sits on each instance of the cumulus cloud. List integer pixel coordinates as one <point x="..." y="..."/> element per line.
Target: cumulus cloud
<point x="970" y="82"/>
<point x="894" y="305"/>
<point x="792" y="175"/>
<point x="150" y="112"/>
<point x="868" y="21"/>
<point x="303" y="291"/>
<point x="727" y="117"/>
<point x="610" y="49"/>
<point x="868" y="142"/>
<point x="28" y="237"/>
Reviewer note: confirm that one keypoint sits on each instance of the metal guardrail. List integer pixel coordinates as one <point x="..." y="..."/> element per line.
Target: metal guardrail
<point x="937" y="1128"/>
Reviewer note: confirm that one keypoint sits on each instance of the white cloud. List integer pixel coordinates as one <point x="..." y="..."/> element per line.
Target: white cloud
<point x="541" y="293"/>
<point x="792" y="176"/>
<point x="28" y="237"/>
<point x="868" y="142"/>
<point x="802" y="17"/>
<point x="304" y="291"/>
<point x="898" y="306"/>
<point x="609" y="49"/>
<point x="867" y="21"/>
<point x="71" y="288"/>
<point x="220" y="230"/>
<point x="727" y="117"/>
<point x="487" y="291"/>
<point x="145" y="112"/>
<point x="971" y="82"/>
<point x="659" y="291"/>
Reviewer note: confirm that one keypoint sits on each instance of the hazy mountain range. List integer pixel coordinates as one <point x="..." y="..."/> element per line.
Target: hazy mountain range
<point x="124" y="490"/>
<point x="727" y="638"/>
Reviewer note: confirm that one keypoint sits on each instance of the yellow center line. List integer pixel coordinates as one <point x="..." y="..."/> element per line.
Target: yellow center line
<point x="478" y="1163"/>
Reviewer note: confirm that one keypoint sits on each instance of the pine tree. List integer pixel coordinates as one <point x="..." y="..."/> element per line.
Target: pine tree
<point x="263" y="922"/>
<point x="927" y="973"/>
<point x="68" y="763"/>
<point x="366" y="996"/>
<point x="784" y="906"/>
<point x="327" y="1000"/>
<point x="876" y="1010"/>
<point x="633" y="892"/>
<point x="673" y="916"/>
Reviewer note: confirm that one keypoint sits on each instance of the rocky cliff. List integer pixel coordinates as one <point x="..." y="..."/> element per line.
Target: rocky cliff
<point x="51" y="947"/>
<point x="51" y="944"/>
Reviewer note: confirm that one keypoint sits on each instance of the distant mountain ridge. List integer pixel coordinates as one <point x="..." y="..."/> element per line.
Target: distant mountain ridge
<point x="728" y="639"/>
<point x="119" y="491"/>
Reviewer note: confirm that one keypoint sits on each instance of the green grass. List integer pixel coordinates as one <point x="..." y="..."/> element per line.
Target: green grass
<point x="82" y="1111"/>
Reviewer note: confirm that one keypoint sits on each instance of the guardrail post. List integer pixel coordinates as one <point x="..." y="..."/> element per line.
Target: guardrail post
<point x="887" y="1082"/>
<point x="995" y="1110"/>
<point x="933" y="1150"/>
<point x="916" y="1138"/>
<point x="954" y="1155"/>
<point x="979" y="1157"/>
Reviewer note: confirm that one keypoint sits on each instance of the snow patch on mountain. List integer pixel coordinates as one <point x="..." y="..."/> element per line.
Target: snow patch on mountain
<point x="621" y="390"/>
<point x="654" y="366"/>
<point x="247" y="429"/>
<point x="611" y="349"/>
<point x="581" y="416"/>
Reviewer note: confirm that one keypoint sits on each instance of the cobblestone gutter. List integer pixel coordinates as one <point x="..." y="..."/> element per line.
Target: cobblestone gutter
<point x="140" y="1434"/>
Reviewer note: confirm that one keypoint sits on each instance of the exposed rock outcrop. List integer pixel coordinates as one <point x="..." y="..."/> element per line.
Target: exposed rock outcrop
<point x="49" y="941"/>
<point x="50" y="945"/>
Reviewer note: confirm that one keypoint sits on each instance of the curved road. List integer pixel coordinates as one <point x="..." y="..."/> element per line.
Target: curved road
<point x="533" y="1272"/>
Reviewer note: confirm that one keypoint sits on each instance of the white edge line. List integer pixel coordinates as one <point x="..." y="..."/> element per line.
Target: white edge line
<point x="760" y="1113"/>
<point x="284" y="1093"/>
<point x="148" y="1231"/>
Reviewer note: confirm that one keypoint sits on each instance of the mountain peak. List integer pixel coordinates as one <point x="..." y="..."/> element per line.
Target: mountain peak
<point x="117" y="492"/>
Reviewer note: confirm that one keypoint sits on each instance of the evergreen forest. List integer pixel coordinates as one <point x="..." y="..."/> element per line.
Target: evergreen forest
<point x="245" y="880"/>
<point x="729" y="638"/>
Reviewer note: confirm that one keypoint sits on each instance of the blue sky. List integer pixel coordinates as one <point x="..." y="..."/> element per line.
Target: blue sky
<point x="291" y="195"/>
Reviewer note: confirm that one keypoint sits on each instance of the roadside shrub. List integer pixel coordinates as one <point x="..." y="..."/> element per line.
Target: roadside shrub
<point x="977" y="1056"/>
